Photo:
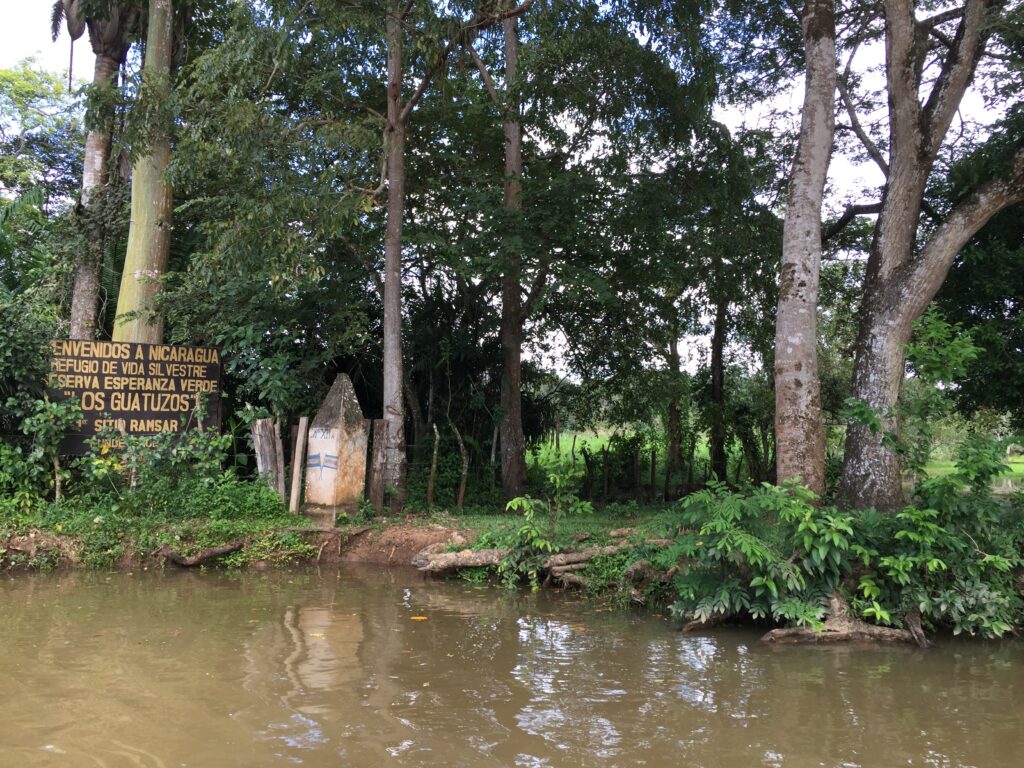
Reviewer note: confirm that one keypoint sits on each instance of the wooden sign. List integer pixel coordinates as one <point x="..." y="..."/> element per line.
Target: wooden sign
<point x="134" y="389"/>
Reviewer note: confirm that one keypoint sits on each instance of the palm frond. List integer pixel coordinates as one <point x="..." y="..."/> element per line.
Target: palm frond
<point x="56" y="19"/>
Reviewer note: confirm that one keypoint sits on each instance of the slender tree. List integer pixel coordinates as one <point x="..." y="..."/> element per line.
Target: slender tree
<point x="514" y="309"/>
<point x="399" y="112"/>
<point x="110" y="26"/>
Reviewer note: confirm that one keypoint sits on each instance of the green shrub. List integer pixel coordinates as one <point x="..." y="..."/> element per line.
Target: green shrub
<point x="770" y="553"/>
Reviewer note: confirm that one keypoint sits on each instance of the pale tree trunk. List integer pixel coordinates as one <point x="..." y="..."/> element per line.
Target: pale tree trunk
<point x="394" y="468"/>
<point x="149" y="234"/>
<point x="513" y="443"/>
<point x="716" y="438"/>
<point x="673" y="426"/>
<point x="85" y="293"/>
<point x="799" y="428"/>
<point x="903" y="276"/>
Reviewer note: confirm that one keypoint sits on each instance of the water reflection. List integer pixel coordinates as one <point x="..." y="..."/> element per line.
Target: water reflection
<point x="365" y="668"/>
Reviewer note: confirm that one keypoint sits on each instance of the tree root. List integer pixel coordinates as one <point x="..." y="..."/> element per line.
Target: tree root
<point x="840" y="627"/>
<point x="571" y="581"/>
<point x="205" y="556"/>
<point x="698" y="625"/>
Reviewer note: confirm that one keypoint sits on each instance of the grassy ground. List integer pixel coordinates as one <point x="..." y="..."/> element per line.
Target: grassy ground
<point x="940" y="468"/>
<point x="596" y="525"/>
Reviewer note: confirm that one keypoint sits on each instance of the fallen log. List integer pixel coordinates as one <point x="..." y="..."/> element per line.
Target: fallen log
<point x="584" y="555"/>
<point x="558" y="570"/>
<point x="202" y="557"/>
<point x="840" y="627"/>
<point x="439" y="562"/>
<point x="434" y="560"/>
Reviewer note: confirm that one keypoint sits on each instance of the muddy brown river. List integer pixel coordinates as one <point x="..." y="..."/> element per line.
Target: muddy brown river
<point x="381" y="668"/>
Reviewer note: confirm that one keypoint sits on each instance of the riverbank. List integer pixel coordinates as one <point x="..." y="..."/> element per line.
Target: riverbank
<point x="768" y="556"/>
<point x="382" y="543"/>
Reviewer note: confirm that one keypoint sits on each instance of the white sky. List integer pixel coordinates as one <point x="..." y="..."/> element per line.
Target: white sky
<point x="25" y="32"/>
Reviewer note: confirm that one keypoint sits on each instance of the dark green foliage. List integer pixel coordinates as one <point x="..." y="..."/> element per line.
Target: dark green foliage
<point x="985" y="293"/>
<point x="771" y="554"/>
<point x="28" y="326"/>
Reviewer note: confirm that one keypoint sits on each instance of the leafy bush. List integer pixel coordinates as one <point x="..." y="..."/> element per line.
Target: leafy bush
<point x="770" y="553"/>
<point x="28" y="327"/>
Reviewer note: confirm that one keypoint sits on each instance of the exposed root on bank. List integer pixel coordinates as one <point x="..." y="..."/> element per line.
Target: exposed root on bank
<point x="841" y="627"/>
<point x="641" y="576"/>
<point x="700" y="625"/>
<point x="210" y="553"/>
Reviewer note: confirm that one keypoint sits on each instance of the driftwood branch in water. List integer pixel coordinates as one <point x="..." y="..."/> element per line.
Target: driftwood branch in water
<point x="840" y="627"/>
<point x="202" y="557"/>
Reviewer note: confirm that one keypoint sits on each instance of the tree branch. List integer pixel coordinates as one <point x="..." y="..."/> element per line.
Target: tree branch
<point x="858" y="129"/>
<point x="484" y="74"/>
<point x="479" y="21"/>
<point x="903" y="78"/>
<point x="539" y="280"/>
<point x="956" y="73"/>
<point x="851" y="212"/>
<point x="942" y="18"/>
<point x="924" y="275"/>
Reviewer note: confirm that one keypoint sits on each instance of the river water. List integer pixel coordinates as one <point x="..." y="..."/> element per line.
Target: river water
<point x="378" y="668"/>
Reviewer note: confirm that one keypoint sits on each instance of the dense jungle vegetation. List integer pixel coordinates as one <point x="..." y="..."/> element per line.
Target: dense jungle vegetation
<point x="745" y="277"/>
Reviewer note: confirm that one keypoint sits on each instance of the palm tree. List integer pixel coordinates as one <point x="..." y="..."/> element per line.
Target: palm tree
<point x="111" y="24"/>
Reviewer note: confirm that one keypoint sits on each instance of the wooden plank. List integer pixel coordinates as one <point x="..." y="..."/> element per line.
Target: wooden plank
<point x="298" y="458"/>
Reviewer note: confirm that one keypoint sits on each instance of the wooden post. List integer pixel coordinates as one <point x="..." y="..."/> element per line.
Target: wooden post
<point x="604" y="471"/>
<point x="279" y="459"/>
<point x="377" y="465"/>
<point x="298" y="457"/>
<point x="433" y="468"/>
<point x="265" y="443"/>
<point x="654" y="473"/>
<point x="461" y="496"/>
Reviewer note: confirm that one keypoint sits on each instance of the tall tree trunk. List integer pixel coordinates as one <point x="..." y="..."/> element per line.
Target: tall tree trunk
<point x="149" y="235"/>
<point x="674" y="426"/>
<point x="85" y="293"/>
<point x="799" y="428"/>
<point x="394" y="416"/>
<point x="513" y="443"/>
<point x="719" y="460"/>
<point x="904" y="274"/>
<point x="674" y="446"/>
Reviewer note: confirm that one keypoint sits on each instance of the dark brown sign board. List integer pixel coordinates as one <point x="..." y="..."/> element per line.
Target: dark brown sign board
<point x="134" y="389"/>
